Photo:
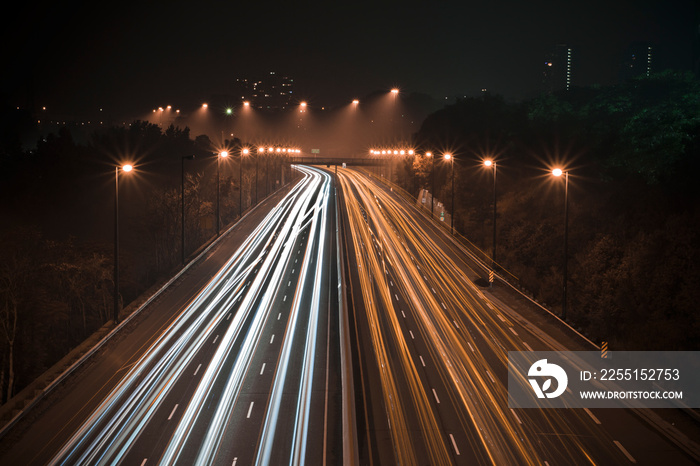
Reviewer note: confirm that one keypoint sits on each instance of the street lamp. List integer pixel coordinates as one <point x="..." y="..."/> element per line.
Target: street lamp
<point x="222" y="154"/>
<point x="245" y="151"/>
<point x="261" y="151"/>
<point x="451" y="158"/>
<point x="557" y="172"/>
<point x="492" y="164"/>
<point x="432" y="181"/>
<point x="125" y="168"/>
<point x="182" y="202"/>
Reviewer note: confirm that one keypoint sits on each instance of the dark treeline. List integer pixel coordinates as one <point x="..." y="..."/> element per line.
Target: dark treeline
<point x="57" y="226"/>
<point x="633" y="153"/>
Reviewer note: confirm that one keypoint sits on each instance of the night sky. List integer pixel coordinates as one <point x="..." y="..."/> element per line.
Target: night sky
<point x="127" y="57"/>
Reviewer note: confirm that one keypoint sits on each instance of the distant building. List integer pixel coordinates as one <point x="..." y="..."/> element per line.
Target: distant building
<point x="636" y="61"/>
<point x="557" y="74"/>
<point x="269" y="92"/>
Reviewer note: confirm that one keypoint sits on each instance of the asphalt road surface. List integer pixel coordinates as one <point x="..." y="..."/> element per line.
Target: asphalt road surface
<point x="246" y="370"/>
<point x="432" y="352"/>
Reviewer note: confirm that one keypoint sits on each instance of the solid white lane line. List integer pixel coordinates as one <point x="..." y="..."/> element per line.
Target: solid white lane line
<point x="516" y="416"/>
<point x="595" y="419"/>
<point x="624" y="450"/>
<point x="195" y="372"/>
<point x="436" y="397"/>
<point x="250" y="409"/>
<point x="454" y="444"/>
<point x="172" y="412"/>
<point x="513" y="330"/>
<point x="262" y="369"/>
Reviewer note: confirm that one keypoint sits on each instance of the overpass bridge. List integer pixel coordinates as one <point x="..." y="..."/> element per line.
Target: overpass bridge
<point x="337" y="161"/>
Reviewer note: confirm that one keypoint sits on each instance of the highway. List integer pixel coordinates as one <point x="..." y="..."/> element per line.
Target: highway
<point x="249" y="371"/>
<point x="432" y="354"/>
<point x="246" y="363"/>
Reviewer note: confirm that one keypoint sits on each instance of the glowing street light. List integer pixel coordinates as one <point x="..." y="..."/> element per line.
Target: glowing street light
<point x="488" y="163"/>
<point x="558" y="172"/>
<point x="452" y="215"/>
<point x="222" y="155"/>
<point x="125" y="168"/>
<point x="244" y="152"/>
<point x="432" y="176"/>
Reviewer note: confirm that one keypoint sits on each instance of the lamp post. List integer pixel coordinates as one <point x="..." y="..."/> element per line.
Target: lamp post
<point x="126" y="168"/>
<point x="432" y="181"/>
<point x="492" y="164"/>
<point x="182" y="202"/>
<point x="451" y="158"/>
<point x="245" y="151"/>
<point x="394" y="130"/>
<point x="260" y="151"/>
<point x="222" y="154"/>
<point x="557" y="172"/>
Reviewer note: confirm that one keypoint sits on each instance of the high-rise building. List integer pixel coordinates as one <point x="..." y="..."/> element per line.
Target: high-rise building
<point x="636" y="61"/>
<point x="557" y="74"/>
<point x="269" y="92"/>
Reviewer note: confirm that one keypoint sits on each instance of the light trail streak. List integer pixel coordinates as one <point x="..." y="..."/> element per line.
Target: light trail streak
<point x="241" y="298"/>
<point x="427" y="278"/>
